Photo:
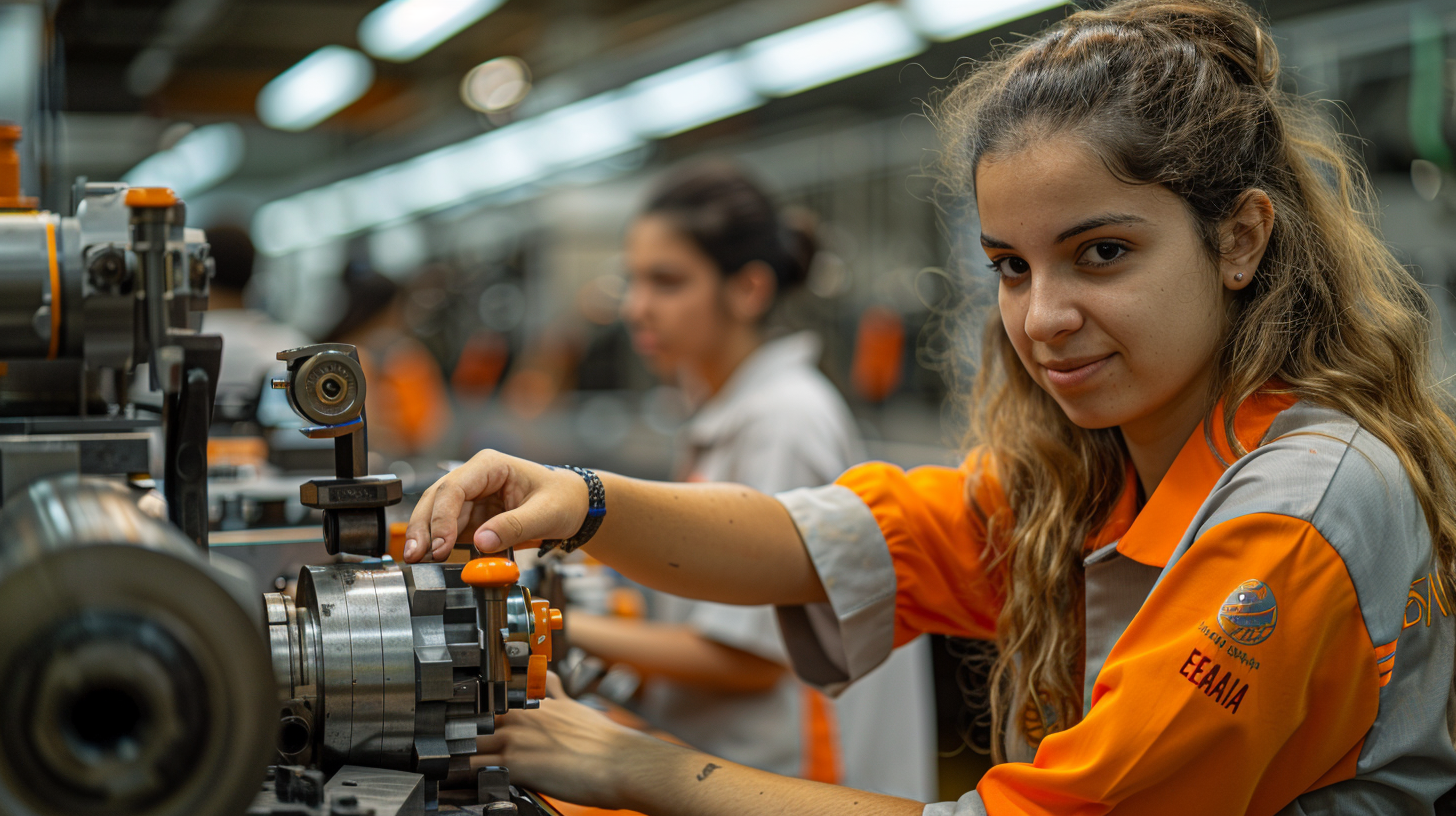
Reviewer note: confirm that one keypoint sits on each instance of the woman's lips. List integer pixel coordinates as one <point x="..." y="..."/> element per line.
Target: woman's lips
<point x="644" y="343"/>
<point x="1063" y="377"/>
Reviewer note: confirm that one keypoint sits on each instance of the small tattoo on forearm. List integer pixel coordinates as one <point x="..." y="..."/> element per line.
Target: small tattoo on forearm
<point x="708" y="771"/>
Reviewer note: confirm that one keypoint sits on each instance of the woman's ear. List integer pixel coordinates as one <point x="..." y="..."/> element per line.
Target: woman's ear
<point x="749" y="292"/>
<point x="1243" y="237"/>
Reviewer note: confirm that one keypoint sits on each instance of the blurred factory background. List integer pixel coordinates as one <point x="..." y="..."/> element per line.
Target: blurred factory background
<point x="485" y="156"/>
<point x="466" y="170"/>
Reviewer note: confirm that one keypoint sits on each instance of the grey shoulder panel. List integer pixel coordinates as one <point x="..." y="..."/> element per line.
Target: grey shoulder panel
<point x="1319" y="465"/>
<point x="1372" y="518"/>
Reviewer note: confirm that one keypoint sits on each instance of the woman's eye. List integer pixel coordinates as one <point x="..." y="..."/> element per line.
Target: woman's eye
<point x="1102" y="253"/>
<point x="1010" y="267"/>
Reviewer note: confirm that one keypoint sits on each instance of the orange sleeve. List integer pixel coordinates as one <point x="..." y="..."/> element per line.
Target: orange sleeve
<point x="1247" y="678"/>
<point x="935" y="546"/>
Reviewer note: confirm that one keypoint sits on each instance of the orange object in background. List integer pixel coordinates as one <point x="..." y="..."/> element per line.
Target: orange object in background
<point x="626" y="602"/>
<point x="10" y="197"/>
<point x="481" y="364"/>
<point x="236" y="450"/>
<point x="409" y="409"/>
<point x="879" y="349"/>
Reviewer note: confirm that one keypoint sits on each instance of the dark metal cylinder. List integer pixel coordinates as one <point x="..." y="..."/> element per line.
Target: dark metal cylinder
<point x="137" y="680"/>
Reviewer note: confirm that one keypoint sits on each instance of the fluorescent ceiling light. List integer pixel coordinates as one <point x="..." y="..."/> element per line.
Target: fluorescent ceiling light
<point x="691" y="95"/>
<point x="499" y="160"/>
<point x="401" y="30"/>
<point x="835" y="47"/>
<point x="322" y="84"/>
<point x="282" y="226"/>
<point x="196" y="163"/>
<point x="949" y="19"/>
<point x="590" y="130"/>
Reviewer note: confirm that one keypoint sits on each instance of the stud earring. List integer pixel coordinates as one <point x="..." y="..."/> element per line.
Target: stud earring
<point x="1238" y="276"/>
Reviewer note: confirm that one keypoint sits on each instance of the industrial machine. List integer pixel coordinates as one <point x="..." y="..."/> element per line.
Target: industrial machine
<point x="392" y="667"/>
<point x="133" y="674"/>
<point x="139" y="674"/>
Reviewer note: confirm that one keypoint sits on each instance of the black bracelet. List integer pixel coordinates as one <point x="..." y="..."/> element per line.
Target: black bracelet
<point x="596" y="510"/>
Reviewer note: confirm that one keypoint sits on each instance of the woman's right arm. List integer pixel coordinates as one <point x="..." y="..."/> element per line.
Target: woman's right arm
<point x="715" y="542"/>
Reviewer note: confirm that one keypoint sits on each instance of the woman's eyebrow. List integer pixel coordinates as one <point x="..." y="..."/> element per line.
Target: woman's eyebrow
<point x="1090" y="224"/>
<point x="1100" y="221"/>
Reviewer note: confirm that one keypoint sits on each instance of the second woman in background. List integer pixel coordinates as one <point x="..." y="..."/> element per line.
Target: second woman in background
<point x="708" y="259"/>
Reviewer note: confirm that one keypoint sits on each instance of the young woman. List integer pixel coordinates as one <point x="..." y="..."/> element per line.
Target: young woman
<point x="1210" y="517"/>
<point x="709" y="258"/>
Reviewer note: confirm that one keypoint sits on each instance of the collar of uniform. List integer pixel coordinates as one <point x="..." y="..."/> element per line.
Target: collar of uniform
<point x="1154" y="533"/>
<point x="720" y="413"/>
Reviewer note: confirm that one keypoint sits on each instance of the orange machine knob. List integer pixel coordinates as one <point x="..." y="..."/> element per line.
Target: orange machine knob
<point x="151" y="197"/>
<point x="541" y="632"/>
<point x="557" y="621"/>
<point x="490" y="572"/>
<point x="10" y="197"/>
<point x="536" y="677"/>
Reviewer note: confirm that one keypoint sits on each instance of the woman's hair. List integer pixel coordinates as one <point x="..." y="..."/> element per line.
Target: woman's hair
<point x="1186" y="95"/>
<point x="734" y="221"/>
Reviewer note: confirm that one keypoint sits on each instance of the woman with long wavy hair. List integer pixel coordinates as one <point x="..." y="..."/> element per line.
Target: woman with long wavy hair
<point x="1208" y="515"/>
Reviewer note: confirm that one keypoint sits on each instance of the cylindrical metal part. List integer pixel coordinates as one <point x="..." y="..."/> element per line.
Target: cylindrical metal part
<point x="28" y="269"/>
<point x="358" y="619"/>
<point x="387" y="667"/>
<point x="136" y="678"/>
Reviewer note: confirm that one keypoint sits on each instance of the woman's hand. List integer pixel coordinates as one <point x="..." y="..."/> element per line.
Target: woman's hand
<point x="503" y="501"/>
<point x="569" y="751"/>
<point x="566" y="750"/>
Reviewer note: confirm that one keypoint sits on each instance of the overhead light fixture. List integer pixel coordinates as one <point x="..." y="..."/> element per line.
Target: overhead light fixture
<point x="283" y="226"/>
<point x="691" y="95"/>
<point x="832" y="48"/>
<point x="322" y="84"/>
<point x="401" y="30"/>
<point x="497" y="85"/>
<point x="590" y="130"/>
<point x="197" y="162"/>
<point x="949" y="19"/>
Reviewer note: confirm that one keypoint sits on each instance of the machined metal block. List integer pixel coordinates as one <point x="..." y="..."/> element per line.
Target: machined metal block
<point x="426" y="589"/>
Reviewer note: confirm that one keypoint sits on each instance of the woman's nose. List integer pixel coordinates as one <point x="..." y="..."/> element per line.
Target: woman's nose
<point x="1052" y="311"/>
<point x="633" y="305"/>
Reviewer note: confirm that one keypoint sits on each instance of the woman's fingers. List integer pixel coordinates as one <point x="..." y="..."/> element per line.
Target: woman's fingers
<point x="434" y="526"/>
<point x="500" y="502"/>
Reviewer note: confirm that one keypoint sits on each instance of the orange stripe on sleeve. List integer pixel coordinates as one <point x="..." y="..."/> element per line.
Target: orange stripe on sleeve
<point x="1385" y="662"/>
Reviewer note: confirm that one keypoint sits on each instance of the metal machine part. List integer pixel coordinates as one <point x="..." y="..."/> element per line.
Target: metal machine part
<point x="293" y="790"/>
<point x="325" y="385"/>
<point x="389" y="667"/>
<point x="136" y="680"/>
<point x="84" y="300"/>
<point x="105" y="285"/>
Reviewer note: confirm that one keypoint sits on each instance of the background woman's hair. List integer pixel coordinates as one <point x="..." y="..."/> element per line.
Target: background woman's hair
<point x="734" y="221"/>
<point x="1186" y="95"/>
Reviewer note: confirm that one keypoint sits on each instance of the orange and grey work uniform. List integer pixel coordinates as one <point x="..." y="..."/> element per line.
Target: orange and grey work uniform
<point x="1270" y="637"/>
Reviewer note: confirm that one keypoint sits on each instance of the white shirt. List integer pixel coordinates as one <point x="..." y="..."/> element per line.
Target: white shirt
<point x="777" y="424"/>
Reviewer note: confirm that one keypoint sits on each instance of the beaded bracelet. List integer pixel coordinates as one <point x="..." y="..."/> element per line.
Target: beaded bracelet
<point x="595" y="512"/>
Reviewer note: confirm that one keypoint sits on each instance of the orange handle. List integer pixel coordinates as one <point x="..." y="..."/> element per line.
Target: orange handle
<point x="541" y="633"/>
<point x="151" y="197"/>
<point x="491" y="571"/>
<point x="536" y="677"/>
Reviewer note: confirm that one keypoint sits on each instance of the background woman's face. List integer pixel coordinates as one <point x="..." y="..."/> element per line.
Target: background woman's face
<point x="674" y="305"/>
<point x="1106" y="290"/>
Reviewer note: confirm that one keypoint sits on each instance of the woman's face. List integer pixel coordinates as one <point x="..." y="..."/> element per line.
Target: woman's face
<point x="1106" y="290"/>
<point x="674" y="306"/>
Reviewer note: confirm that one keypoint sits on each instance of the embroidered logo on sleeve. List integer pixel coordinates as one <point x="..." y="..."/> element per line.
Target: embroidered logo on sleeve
<point x="1249" y="614"/>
